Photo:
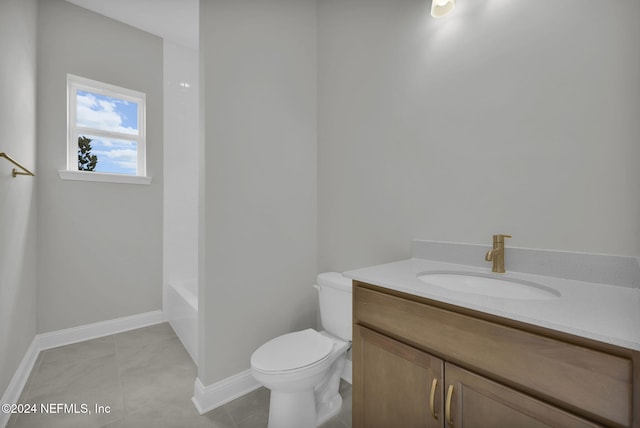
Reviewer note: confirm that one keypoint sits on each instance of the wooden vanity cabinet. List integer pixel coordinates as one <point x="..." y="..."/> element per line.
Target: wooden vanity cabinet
<point x="400" y="386"/>
<point x="408" y="352"/>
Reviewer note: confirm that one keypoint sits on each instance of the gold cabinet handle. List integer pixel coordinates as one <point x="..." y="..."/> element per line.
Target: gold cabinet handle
<point x="448" y="406"/>
<point x="432" y="398"/>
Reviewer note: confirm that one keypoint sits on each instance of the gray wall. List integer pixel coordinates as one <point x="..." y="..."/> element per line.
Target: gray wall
<point x="18" y="281"/>
<point x="258" y="255"/>
<point x="517" y="117"/>
<point x="99" y="244"/>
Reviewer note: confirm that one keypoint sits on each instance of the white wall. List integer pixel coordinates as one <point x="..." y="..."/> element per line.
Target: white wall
<point x="517" y="117"/>
<point x="18" y="279"/>
<point x="99" y="244"/>
<point x="258" y="65"/>
<point x="181" y="143"/>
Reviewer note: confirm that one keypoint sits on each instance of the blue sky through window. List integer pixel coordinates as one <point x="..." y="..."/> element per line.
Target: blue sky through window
<point x="110" y="114"/>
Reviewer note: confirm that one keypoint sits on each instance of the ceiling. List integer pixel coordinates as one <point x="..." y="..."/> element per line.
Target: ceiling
<point x="174" y="20"/>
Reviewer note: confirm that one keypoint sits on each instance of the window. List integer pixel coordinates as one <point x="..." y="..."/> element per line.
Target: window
<point x="106" y="132"/>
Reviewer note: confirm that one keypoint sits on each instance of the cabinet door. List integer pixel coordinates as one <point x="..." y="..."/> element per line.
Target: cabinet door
<point x="472" y="401"/>
<point x="394" y="385"/>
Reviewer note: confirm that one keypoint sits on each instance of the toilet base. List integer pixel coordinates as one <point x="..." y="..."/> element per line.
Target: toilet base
<point x="309" y="408"/>
<point x="292" y="409"/>
<point x="329" y="409"/>
<point x="298" y="409"/>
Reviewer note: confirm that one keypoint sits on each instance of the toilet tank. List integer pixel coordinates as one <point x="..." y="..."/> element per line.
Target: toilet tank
<point x="335" y="293"/>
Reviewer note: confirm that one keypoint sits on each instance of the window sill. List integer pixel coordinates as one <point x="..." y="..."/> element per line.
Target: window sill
<point x="102" y="177"/>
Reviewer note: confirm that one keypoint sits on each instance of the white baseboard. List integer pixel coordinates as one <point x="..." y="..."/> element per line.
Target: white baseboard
<point x="207" y="398"/>
<point x="54" y="339"/>
<point x="81" y="333"/>
<point x="19" y="380"/>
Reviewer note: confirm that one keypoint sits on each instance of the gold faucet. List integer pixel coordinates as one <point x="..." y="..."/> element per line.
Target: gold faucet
<point x="496" y="255"/>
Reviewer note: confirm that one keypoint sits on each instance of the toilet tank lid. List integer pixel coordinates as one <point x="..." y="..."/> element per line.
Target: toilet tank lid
<point x="335" y="280"/>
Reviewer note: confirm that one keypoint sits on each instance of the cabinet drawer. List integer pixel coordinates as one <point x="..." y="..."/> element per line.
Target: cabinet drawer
<point x="589" y="382"/>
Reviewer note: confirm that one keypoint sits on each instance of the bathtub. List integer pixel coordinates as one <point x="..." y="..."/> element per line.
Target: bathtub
<point x="182" y="313"/>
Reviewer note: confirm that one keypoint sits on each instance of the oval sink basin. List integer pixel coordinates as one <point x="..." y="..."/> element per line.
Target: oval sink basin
<point x="487" y="285"/>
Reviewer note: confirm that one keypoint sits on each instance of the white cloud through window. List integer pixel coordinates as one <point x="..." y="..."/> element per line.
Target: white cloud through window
<point x="104" y="113"/>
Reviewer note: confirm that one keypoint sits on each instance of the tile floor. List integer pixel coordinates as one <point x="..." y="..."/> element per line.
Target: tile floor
<point x="146" y="378"/>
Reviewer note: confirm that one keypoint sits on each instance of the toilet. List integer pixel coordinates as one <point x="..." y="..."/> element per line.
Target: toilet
<point x="303" y="369"/>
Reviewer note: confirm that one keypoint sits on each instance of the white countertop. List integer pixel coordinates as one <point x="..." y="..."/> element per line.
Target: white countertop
<point x="606" y="313"/>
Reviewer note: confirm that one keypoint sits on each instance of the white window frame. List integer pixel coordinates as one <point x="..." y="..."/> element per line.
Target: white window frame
<point x="75" y="83"/>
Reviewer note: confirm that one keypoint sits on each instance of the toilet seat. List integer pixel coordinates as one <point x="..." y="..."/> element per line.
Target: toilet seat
<point x="292" y="351"/>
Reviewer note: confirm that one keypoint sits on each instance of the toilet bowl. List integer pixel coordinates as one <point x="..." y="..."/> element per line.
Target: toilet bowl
<point x="303" y="369"/>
